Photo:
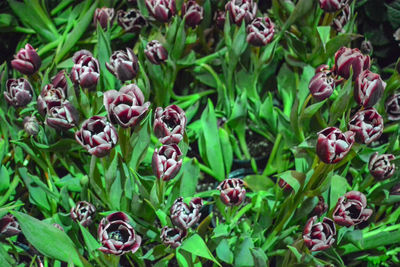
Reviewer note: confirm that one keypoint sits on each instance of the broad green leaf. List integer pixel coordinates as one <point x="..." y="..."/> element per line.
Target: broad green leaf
<point x="4" y="178"/>
<point x="258" y="182"/>
<point x="103" y="55"/>
<point x="339" y="106"/>
<point x="355" y="237"/>
<point x="259" y="257"/>
<point x="5" y="259"/>
<point x="338" y="188"/>
<point x="293" y="178"/>
<point x="301" y="9"/>
<point x="226" y="149"/>
<point x="180" y="40"/>
<point x="286" y="88"/>
<point x="243" y="256"/>
<point x="190" y="175"/>
<point x="139" y="142"/>
<point x="196" y="245"/>
<point x="239" y="43"/>
<point x="324" y="32"/>
<point x="224" y="252"/>
<point x="90" y="241"/>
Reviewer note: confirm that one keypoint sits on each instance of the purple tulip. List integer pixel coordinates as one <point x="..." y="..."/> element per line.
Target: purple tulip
<point x="333" y="145"/>
<point x="161" y="10"/>
<point x="97" y="136"/>
<point x="392" y="107"/>
<point x="62" y="117"/>
<point x="155" y="52"/>
<point x="103" y="16"/>
<point x="60" y="80"/>
<point x="193" y="13"/>
<point x="346" y="58"/>
<point x="185" y="216"/>
<point x="27" y="61"/>
<point x="367" y="124"/>
<point x="83" y="213"/>
<point x="240" y="10"/>
<point x="126" y="106"/>
<point x="285" y="186"/>
<point x="169" y="124"/>
<point x="117" y="236"/>
<point x="366" y="47"/>
<point x="31" y="125"/>
<point x="260" y="31"/>
<point x="319" y="235"/>
<point x="232" y="191"/>
<point x="86" y="70"/>
<point x="131" y="21"/>
<point x="9" y="226"/>
<point x="172" y="237"/>
<point x="18" y="92"/>
<point x="340" y="21"/>
<point x="123" y="65"/>
<point x="166" y="162"/>
<point x="220" y="17"/>
<point x="49" y="97"/>
<point x="322" y="84"/>
<point x="351" y="209"/>
<point x="321" y="207"/>
<point x="368" y="88"/>
<point x="332" y="5"/>
<point x="379" y="166"/>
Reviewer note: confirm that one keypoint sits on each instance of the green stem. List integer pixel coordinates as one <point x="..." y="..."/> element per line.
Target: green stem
<point x="11" y="189"/>
<point x="206" y="170"/>
<point x="366" y="183"/>
<point x="391" y="128"/>
<point x="210" y="57"/>
<point x="272" y="155"/>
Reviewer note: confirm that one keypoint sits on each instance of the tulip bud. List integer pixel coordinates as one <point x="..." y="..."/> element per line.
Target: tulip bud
<point x="166" y="162"/>
<point x="395" y="190"/>
<point x="31" y="125"/>
<point x="285" y="186"/>
<point x="49" y="97"/>
<point x="321" y="207"/>
<point x="18" y="92"/>
<point x="97" y="136"/>
<point x="322" y="84"/>
<point x="117" y="236"/>
<point x="319" y="236"/>
<point x="131" y="21"/>
<point x="366" y="47"/>
<point x="62" y="117"/>
<point x="161" y="10"/>
<point x="346" y="58"/>
<point x="260" y="32"/>
<point x="340" y="21"/>
<point x="27" y="61"/>
<point x="86" y="70"/>
<point x="172" y="237"/>
<point x="332" y="5"/>
<point x="60" y="80"/>
<point x="232" y="191"/>
<point x="9" y="226"/>
<point x="367" y="124"/>
<point x="333" y="145"/>
<point x="240" y="10"/>
<point x="126" y="106"/>
<point x="103" y="16"/>
<point x="220" y="17"/>
<point x="193" y="13"/>
<point x="392" y="107"/>
<point x="169" y="124"/>
<point x="123" y="65"/>
<point x="351" y="209"/>
<point x="379" y="166"/>
<point x="83" y="213"/>
<point x="155" y="52"/>
<point x="184" y="216"/>
<point x="368" y="88"/>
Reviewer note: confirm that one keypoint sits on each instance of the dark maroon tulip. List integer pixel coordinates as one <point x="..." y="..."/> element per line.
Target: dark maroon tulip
<point x="332" y="5"/>
<point x="83" y="213"/>
<point x="155" y="52"/>
<point x="172" y="237"/>
<point x="260" y="32"/>
<point x="161" y="10"/>
<point x="18" y="92"/>
<point x="49" y="97"/>
<point x="341" y="20"/>
<point x="97" y="136"/>
<point x="86" y="70"/>
<point x="117" y="236"/>
<point x="368" y="88"/>
<point x="285" y="186"/>
<point x="392" y="107"/>
<point x="169" y="124"/>
<point x="60" y="80"/>
<point x="166" y="162"/>
<point x="131" y="21"/>
<point x="123" y="65"/>
<point x="367" y="124"/>
<point x="193" y="13"/>
<point x="321" y="207"/>
<point x="220" y="17"/>
<point x="379" y="166"/>
<point x="27" y="61"/>
<point x="322" y="84"/>
<point x="31" y="125"/>
<point x="240" y="10"/>
<point x="395" y="190"/>
<point x="333" y="145"/>
<point x="126" y="106"/>
<point x="232" y="191"/>
<point x="62" y="117"/>
<point x="346" y="58"/>
<point x="351" y="209"/>
<point x="366" y="47"/>
<point x="184" y="216"/>
<point x="9" y="226"/>
<point x="319" y="235"/>
<point x="103" y="16"/>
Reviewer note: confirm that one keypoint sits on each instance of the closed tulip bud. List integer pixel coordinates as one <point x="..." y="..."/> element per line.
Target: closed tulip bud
<point x="161" y="10"/>
<point x="127" y="106"/>
<point x="49" y="97"/>
<point x="155" y="52"/>
<point x="60" y="80"/>
<point x="131" y="21"/>
<point x="9" y="226"/>
<point x="166" y="162"/>
<point x="319" y="235"/>
<point x="351" y="209"/>
<point x="260" y="32"/>
<point x="86" y="70"/>
<point x="27" y="61"/>
<point x="103" y="16"/>
<point x="321" y="207"/>
<point x="332" y="5"/>
<point x="340" y="21"/>
<point x="97" y="136"/>
<point x="169" y="124"/>
<point x="322" y="84"/>
<point x="333" y="145"/>
<point x="346" y="58"/>
<point x="193" y="13"/>
<point x="123" y="65"/>
<point x="83" y="213"/>
<point x="117" y="235"/>
<point x="366" y="47"/>
<point x="31" y="125"/>
<point x="380" y="167"/>
<point x="367" y="124"/>
<point x="18" y="92"/>
<point x="62" y="117"/>
<point x="285" y="186"/>
<point x="220" y="17"/>
<point x="172" y="237"/>
<point x="368" y="88"/>
<point x="392" y="107"/>
<point x="184" y="216"/>
<point x="240" y="10"/>
<point x="232" y="191"/>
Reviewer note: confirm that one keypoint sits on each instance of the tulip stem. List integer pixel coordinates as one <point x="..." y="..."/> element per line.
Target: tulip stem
<point x="366" y="183"/>
<point x="269" y="167"/>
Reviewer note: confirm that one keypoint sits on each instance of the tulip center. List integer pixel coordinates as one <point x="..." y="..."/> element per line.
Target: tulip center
<point x="119" y="235"/>
<point x="171" y="122"/>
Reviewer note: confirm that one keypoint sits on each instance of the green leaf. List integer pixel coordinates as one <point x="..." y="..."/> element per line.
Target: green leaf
<point x="243" y="256"/>
<point x="196" y="246"/>
<point x="103" y="55"/>
<point x="286" y="88"/>
<point x="180" y="40"/>
<point x="324" y="32"/>
<point x="42" y="236"/>
<point x="259" y="257"/>
<point x="5" y="259"/>
<point x="90" y="241"/>
<point x="4" y="178"/>
<point x="343" y="100"/>
<point x="355" y="237"/>
<point x="239" y="43"/>
<point x="258" y="182"/>
<point x="293" y="178"/>
<point x="338" y="188"/>
<point x="139" y="142"/>
<point x="295" y="252"/>
<point x="226" y="148"/>
<point x="162" y="216"/>
<point x="301" y="9"/>
<point x="190" y="175"/>
<point x="224" y="252"/>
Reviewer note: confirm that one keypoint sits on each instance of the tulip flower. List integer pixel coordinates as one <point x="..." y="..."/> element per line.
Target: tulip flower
<point x="351" y="209"/>
<point x="232" y="192"/>
<point x="86" y="70"/>
<point x="31" y="125"/>
<point x="220" y="18"/>
<point x="332" y="5"/>
<point x="123" y="65"/>
<point x="366" y="47"/>
<point x="380" y="167"/>
<point x="62" y="117"/>
<point x="172" y="237"/>
<point x="333" y="145"/>
<point x="155" y="52"/>
<point x="131" y="21"/>
<point x="368" y="88"/>
<point x="322" y="84"/>
<point x="185" y="216"/>
<point x="27" y="61"/>
<point x="321" y="207"/>
<point x="9" y="226"/>
<point x="260" y="32"/>
<point x="60" y="80"/>
<point x="193" y="13"/>
<point x="346" y="58"/>
<point x="166" y="162"/>
<point x="240" y="10"/>
<point x="392" y="107"/>
<point x="49" y="97"/>
<point x="103" y="16"/>
<point x="161" y="10"/>
<point x="18" y="92"/>
<point x="367" y="124"/>
<point x="83" y="213"/>
<point x="169" y="124"/>
<point x="319" y="235"/>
